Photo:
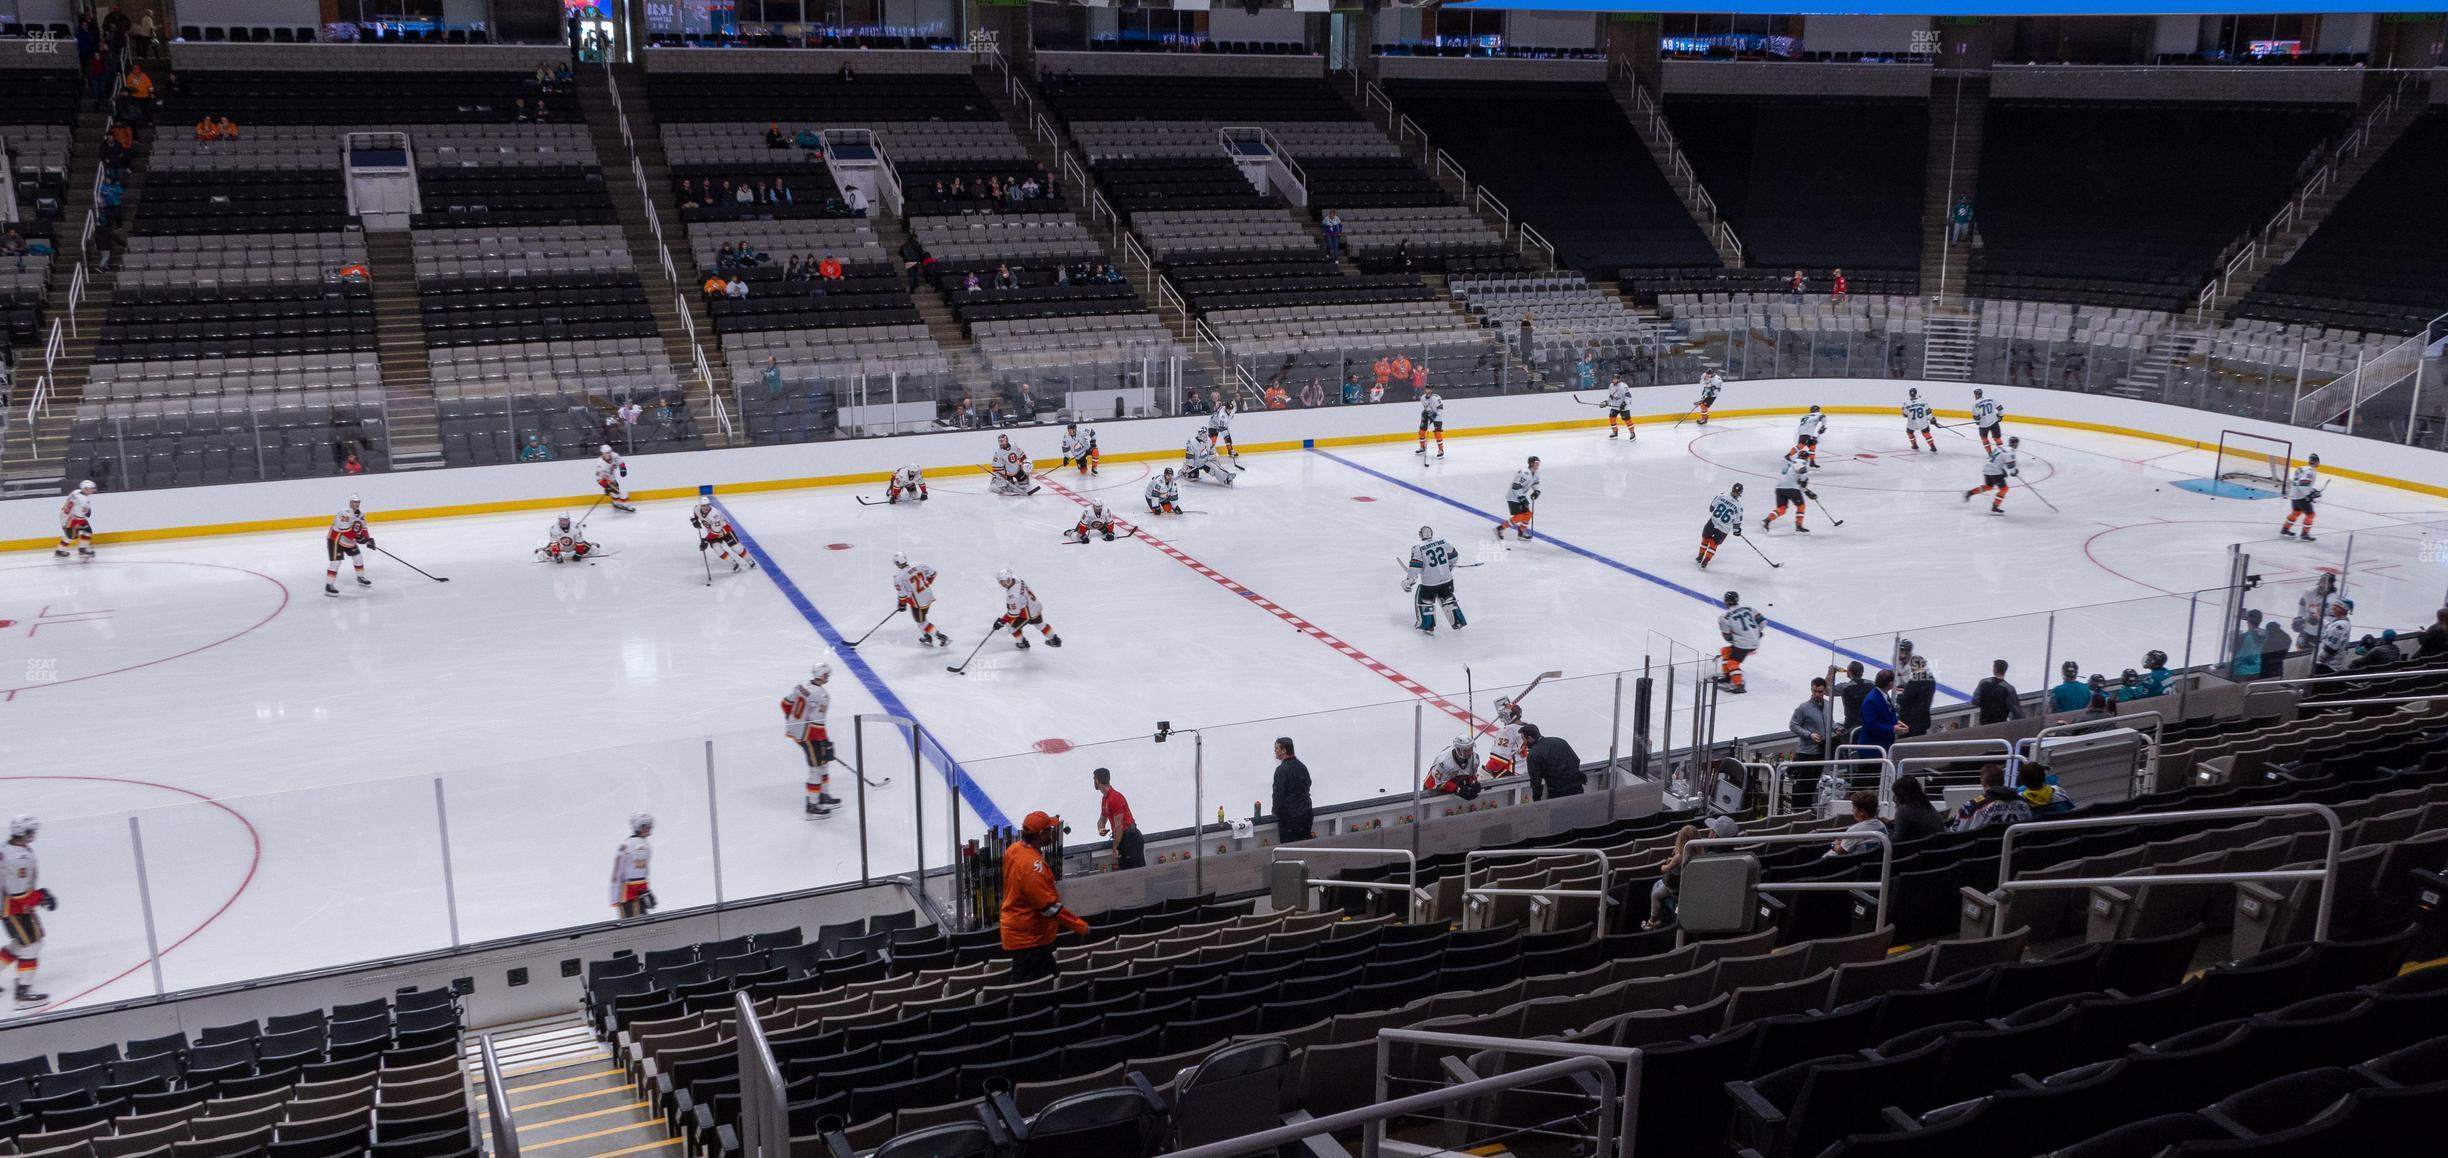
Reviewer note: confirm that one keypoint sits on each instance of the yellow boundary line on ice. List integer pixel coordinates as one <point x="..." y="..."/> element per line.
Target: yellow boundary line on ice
<point x="459" y="510"/>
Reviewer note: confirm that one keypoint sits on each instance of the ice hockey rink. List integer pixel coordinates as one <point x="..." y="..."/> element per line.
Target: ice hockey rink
<point x="295" y="766"/>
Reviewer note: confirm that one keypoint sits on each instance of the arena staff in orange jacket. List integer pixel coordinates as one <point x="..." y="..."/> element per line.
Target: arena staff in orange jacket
<point x="1033" y="912"/>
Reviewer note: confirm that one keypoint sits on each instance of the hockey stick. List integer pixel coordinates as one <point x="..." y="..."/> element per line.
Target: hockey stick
<point x="973" y="654"/>
<point x="1543" y="677"/>
<point x="709" y="564"/>
<point x="412" y="566"/>
<point x="854" y="770"/>
<point x="864" y="501"/>
<point x="590" y="511"/>
<point x="888" y="618"/>
<point x="1831" y="514"/>
<point x="1756" y="551"/>
<point x="2037" y="495"/>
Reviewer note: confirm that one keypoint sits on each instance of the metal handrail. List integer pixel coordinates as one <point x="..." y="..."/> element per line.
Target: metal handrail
<point x="1886" y="877"/>
<point x="2408" y="673"/>
<point x="497" y="1102"/>
<point x="1609" y="1056"/>
<point x="1166" y="295"/>
<point x="1606" y="872"/>
<point x="764" y="1106"/>
<point x="1045" y="130"/>
<point x="1586" y="1061"/>
<point x="1374" y="96"/>
<point x="2327" y="874"/>
<point x="1446" y="164"/>
<point x="1526" y="237"/>
<point x="1481" y="199"/>
<point x="2029" y="747"/>
<point x="2324" y="705"/>
<point x="1886" y="767"/>
<point x="1409" y="889"/>
<point x="1407" y="128"/>
<point x="1071" y="168"/>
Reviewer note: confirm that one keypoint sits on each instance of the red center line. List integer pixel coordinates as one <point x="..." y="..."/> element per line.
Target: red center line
<point x="1281" y="612"/>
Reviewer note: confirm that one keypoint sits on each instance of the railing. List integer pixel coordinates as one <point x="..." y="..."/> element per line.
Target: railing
<point x="2326" y="874"/>
<point x="1071" y="168"/>
<point x="888" y="177"/>
<point x="2340" y="400"/>
<point x="497" y="1103"/>
<point x="1529" y="237"/>
<point x="1884" y="883"/>
<point x="1044" y="128"/>
<point x="1606" y="873"/>
<point x="764" y="1113"/>
<point x="1100" y="209"/>
<point x="1486" y="202"/>
<point x="1648" y="112"/>
<point x="1776" y="786"/>
<point x="1132" y="251"/>
<point x="36" y="406"/>
<point x="1167" y="296"/>
<point x="1409" y="888"/>
<point x="2150" y="723"/>
<point x="1410" y="128"/>
<point x="76" y="294"/>
<point x="1446" y="164"/>
<point x="2257" y="245"/>
<point x="1373" y="98"/>
<point x="1223" y="354"/>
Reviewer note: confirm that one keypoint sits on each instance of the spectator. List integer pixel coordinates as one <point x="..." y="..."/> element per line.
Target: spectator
<point x="2383" y="652"/>
<point x="139" y="87"/>
<point x="1402" y="254"/>
<point x="1033" y="913"/>
<point x="774" y="137"/>
<point x="1915" y="815"/>
<point x="1313" y="394"/>
<point x="794" y="271"/>
<point x="1555" y="769"/>
<point x="969" y="282"/>
<point x="351" y="464"/>
<point x="143" y="34"/>
<point x="1114" y="819"/>
<point x="736" y="289"/>
<point x="1291" y="802"/>
<point x="1850" y="693"/>
<point x="1030" y="190"/>
<point x="2040" y="791"/>
<point x="744" y="194"/>
<point x="2102" y="704"/>
<point x="1878" y="715"/>
<point x="12" y="245"/>
<point x="1865" y="820"/>
<point x="207" y="130"/>
<point x="847" y="75"/>
<point x="1352" y="393"/>
<point x="1997" y="803"/>
<point x="2434" y="638"/>
<point x="1028" y="403"/>
<point x="1994" y="701"/>
<point x="966" y="417"/>
<point x="1799" y="285"/>
<point x="520" y="113"/>
<point x="1903" y="654"/>
<point x="1913" y="700"/>
<point x="1003" y="279"/>
<point x="2245" y="665"/>
<point x="715" y="287"/>
<point x="1959" y="223"/>
<point x="855" y="197"/>
<point x="1332" y="226"/>
<point x="535" y="450"/>
<point x="913" y="260"/>
<point x="1662" y="893"/>
<point x="1810" y="723"/>
<point x="2275" y="643"/>
<point x="778" y="193"/>
<point x="1840" y="290"/>
<point x="2071" y="693"/>
<point x="770" y="377"/>
<point x="628" y="413"/>
<point x="1419" y="377"/>
<point x="355" y="273"/>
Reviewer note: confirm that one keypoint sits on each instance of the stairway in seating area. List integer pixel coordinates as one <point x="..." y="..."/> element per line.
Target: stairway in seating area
<point x="1648" y="119"/>
<point x="399" y="344"/>
<point x="1959" y="106"/>
<point x="569" y="1098"/>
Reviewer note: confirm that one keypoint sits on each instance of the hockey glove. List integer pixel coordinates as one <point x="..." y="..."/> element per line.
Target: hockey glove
<point x="694" y="521"/>
<point x="1534" y="496"/>
<point x="369" y="543"/>
<point x="703" y="544"/>
<point x="646" y="900"/>
<point x="50" y="900"/>
<point x="1410" y="581"/>
<point x="1738" y="530"/>
<point x="1812" y="495"/>
<point x="902" y="605"/>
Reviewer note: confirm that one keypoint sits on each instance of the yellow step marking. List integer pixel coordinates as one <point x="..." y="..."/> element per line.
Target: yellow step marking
<point x="619" y="1089"/>
<point x="526" y="1146"/>
<point x="636" y="1105"/>
<point x="560" y="1081"/>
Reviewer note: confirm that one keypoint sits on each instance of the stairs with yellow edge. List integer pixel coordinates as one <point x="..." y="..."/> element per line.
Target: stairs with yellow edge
<point x="569" y="1098"/>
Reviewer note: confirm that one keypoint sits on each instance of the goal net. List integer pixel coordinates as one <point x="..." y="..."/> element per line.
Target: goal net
<point x="2253" y="460"/>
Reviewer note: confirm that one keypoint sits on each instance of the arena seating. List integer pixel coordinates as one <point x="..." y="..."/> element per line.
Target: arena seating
<point x="1819" y="183"/>
<point x="380" y="1077"/>
<point x="2374" y="263"/>
<point x="1563" y="157"/>
<point x="2162" y="188"/>
<point x="41" y="106"/>
<point x="1569" y="320"/>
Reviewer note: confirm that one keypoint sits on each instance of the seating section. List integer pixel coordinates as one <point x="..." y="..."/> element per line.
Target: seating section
<point x="38" y="108"/>
<point x="381" y="1077"/>
<point x="1606" y="209"/>
<point x="1571" y="323"/>
<point x="1815" y="182"/>
<point x="2374" y="263"/>
<point x="2162" y="189"/>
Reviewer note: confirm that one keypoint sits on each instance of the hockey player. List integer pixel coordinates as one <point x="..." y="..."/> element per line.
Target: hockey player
<point x="1219" y="427"/>
<point x="21" y="882"/>
<point x="1725" y="518"/>
<point x="1430" y="582"/>
<point x="2312" y="611"/>
<point x="1432" y="417"/>
<point x="632" y="894"/>
<point x="610" y="472"/>
<point x="1164" y="494"/>
<point x="2336" y="640"/>
<point x="76" y="522"/>
<point x="348" y="533"/>
<point x="714" y="533"/>
<point x="1619" y="409"/>
<point x="1988" y="414"/>
<point x="1505" y="747"/>
<point x="1010" y="468"/>
<point x="1806" y="437"/>
<point x="908" y="480"/>
<point x="565" y="542"/>
<point x="1453" y="772"/>
<point x="1711" y="384"/>
<point x="1995" y="472"/>
<point x="1096" y="521"/>
<point x="1519" y="500"/>
<point x="914" y="592"/>
<point x="1740" y="627"/>
<point x="803" y="720"/>
<point x="1020" y="610"/>
<point x="1199" y="460"/>
<point x="1918" y="421"/>
<point x="1792" y="489"/>
<point x="2302" y="490"/>
<point x="2153" y="680"/>
<point x="1079" y="447"/>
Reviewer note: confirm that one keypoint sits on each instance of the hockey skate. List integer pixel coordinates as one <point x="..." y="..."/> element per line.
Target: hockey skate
<point x="1799" y="528"/>
<point x="1021" y="642"/>
<point x="85" y="552"/>
<point x="1053" y="641"/>
<point x="61" y="553"/>
<point x="362" y="581"/>
<point x="1613" y="433"/>
<point x="2307" y="537"/>
<point x="2288" y="531"/>
<point x="328" y="589"/>
<point x="821" y="804"/>
<point x="27" y="996"/>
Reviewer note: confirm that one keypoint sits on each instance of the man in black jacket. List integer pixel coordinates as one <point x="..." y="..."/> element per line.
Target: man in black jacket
<point x="1555" y="769"/>
<point x="1849" y="693"/>
<point x="1291" y="804"/>
<point x="1994" y="700"/>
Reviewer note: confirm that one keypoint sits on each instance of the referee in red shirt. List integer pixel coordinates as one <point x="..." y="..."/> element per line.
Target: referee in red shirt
<point x="1114" y="819"/>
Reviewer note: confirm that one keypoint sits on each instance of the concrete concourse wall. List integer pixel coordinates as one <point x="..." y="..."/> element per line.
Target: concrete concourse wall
<point x="300" y="504"/>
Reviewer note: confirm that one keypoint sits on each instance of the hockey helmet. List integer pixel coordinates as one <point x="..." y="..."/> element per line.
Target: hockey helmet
<point x="564" y="520"/>
<point x="88" y="484"/>
<point x="1003" y="440"/>
<point x="2014" y="440"/>
<point x="820" y="673"/>
<point x="23" y="824"/>
<point x="1073" y="426"/>
<point x="2070" y="668"/>
<point x="900" y="559"/>
<point x="2154" y="658"/>
<point x="1464" y="743"/>
<point x="604" y="449"/>
<point x="1507" y="711"/>
<point x="640" y="823"/>
<point x="1005" y="577"/>
<point x="1426" y="533"/>
<point x="705" y="503"/>
<point x="1736" y="490"/>
<point x="2131" y="678"/>
<point x="2309" y="460"/>
<point x="1814" y="408"/>
<point x="1096" y="506"/>
<point x="912" y="468"/>
<point x="1976" y="392"/>
<point x="1732" y="598"/>
<point x="1534" y="462"/>
<point x="1913" y="392"/>
<point x="1168" y="472"/>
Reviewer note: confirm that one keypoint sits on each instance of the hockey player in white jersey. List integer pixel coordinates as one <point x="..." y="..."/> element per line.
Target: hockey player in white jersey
<point x="1918" y="422"/>
<point x="1792" y="490"/>
<point x="1079" y="448"/>
<point x="1219" y="427"/>
<point x="1741" y="628"/>
<point x="1505" y="746"/>
<point x="1806" y="437"/>
<point x="565" y="542"/>
<point x="714" y="533"/>
<point x="1164" y="494"/>
<point x="1454" y="770"/>
<point x="1432" y="417"/>
<point x="1096" y="522"/>
<point x="1021" y="611"/>
<point x="2303" y="488"/>
<point x="1994" y="473"/>
<point x="611" y="475"/>
<point x="1712" y="384"/>
<point x="2336" y="639"/>
<point x="76" y="522"/>
<point x="1200" y="462"/>
<point x="804" y="709"/>
<point x="1725" y="517"/>
<point x="632" y="893"/>
<point x="1429" y="578"/>
<point x="914" y="592"/>
<point x="1521" y="500"/>
<point x="1009" y="468"/>
<point x="1989" y="415"/>
<point x="21" y="882"/>
<point x="1619" y="409"/>
<point x="348" y="533"/>
<point x="2312" y="611"/>
<point x="908" y="480"/>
